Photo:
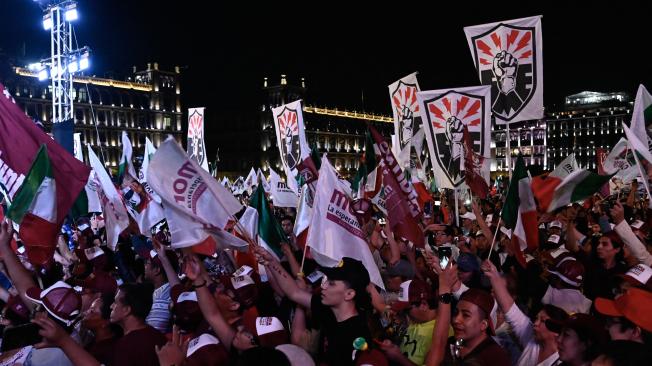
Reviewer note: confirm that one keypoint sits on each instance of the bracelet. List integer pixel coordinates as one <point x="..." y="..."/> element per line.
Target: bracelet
<point x="202" y="285"/>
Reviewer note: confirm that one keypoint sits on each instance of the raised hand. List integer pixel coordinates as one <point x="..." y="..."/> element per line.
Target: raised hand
<point x="504" y="67"/>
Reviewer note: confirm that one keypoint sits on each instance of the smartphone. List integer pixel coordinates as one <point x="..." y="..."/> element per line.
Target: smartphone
<point x="382" y="221"/>
<point x="161" y="232"/>
<point x="431" y="240"/>
<point x="20" y="336"/>
<point x="437" y="203"/>
<point x="444" y="254"/>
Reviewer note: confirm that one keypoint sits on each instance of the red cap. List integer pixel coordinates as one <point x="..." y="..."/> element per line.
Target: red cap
<point x="372" y="357"/>
<point x="412" y="291"/>
<point x="484" y="301"/>
<point x="186" y="307"/>
<point x="60" y="300"/>
<point x="635" y="305"/>
<point x="206" y="350"/>
<point x="270" y="331"/>
<point x="102" y="282"/>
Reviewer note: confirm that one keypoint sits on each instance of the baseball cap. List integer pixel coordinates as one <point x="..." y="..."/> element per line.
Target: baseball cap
<point x="185" y="308"/>
<point x="296" y="355"/>
<point x="18" y="307"/>
<point x="555" y="223"/>
<point x="586" y="326"/>
<point x="206" y="350"/>
<point x="59" y="300"/>
<point x="484" y="301"/>
<point x="468" y="215"/>
<point x="569" y="271"/>
<point x="349" y="270"/>
<point x="410" y="292"/>
<point x="634" y="305"/>
<point x="640" y="276"/>
<point x="269" y="331"/>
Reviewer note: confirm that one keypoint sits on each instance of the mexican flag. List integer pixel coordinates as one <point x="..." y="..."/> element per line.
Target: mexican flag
<point x="126" y="165"/>
<point x="642" y="156"/>
<point x="270" y="232"/>
<point x="642" y="114"/>
<point x="520" y="212"/>
<point x="34" y="208"/>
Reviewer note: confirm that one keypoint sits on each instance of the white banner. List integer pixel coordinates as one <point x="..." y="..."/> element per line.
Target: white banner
<point x="126" y="162"/>
<point x="281" y="194"/>
<point x="77" y="146"/>
<point x="407" y="119"/>
<point x="335" y="231"/>
<point x="508" y="56"/>
<point x="115" y="214"/>
<point x="196" y="205"/>
<point x="291" y="139"/>
<point x="196" y="144"/>
<point x="444" y="113"/>
<point x="150" y="150"/>
<point x="621" y="161"/>
<point x="93" y="199"/>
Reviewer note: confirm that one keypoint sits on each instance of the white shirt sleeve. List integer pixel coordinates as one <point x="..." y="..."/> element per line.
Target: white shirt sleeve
<point x="521" y="325"/>
<point x="629" y="238"/>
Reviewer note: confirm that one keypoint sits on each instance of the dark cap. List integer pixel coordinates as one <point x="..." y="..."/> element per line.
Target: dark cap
<point x="351" y="271"/>
<point x="586" y="327"/>
<point x="483" y="300"/>
<point x="60" y="300"/>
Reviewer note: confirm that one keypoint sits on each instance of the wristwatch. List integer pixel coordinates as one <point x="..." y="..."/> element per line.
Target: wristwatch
<point x="446" y="298"/>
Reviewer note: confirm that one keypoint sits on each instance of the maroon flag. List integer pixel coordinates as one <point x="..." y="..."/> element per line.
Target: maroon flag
<point x="20" y="140"/>
<point x="403" y="212"/>
<point x="473" y="163"/>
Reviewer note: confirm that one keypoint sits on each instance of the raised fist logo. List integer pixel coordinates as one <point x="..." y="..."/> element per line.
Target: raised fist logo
<point x="504" y="67"/>
<point x="406" y="125"/>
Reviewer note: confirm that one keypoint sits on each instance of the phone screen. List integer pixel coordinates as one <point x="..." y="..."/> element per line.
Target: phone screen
<point x="20" y="336"/>
<point x="444" y="254"/>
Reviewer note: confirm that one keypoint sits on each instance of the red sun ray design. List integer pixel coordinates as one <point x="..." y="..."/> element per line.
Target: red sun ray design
<point x="484" y="62"/>
<point x="485" y="48"/>
<point x="397" y="102"/>
<point x="524" y="41"/>
<point x="496" y="38"/>
<point x="526" y="55"/>
<point x="511" y="38"/>
<point x="414" y="102"/>
<point x="434" y="110"/>
<point x="447" y="104"/>
<point x="473" y="109"/>
<point x="475" y="122"/>
<point x="408" y="92"/>
<point x="462" y="103"/>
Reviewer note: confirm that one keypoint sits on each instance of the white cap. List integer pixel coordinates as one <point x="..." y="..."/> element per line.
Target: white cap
<point x="187" y="296"/>
<point x="638" y="224"/>
<point x="468" y="215"/>
<point x="554" y="239"/>
<point x="268" y="324"/>
<point x="640" y="272"/>
<point x="241" y="281"/>
<point x="555" y="223"/>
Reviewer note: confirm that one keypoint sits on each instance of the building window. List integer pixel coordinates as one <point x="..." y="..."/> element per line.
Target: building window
<point x="166" y="122"/>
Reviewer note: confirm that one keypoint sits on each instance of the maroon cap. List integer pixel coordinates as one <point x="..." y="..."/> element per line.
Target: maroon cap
<point x="18" y="307"/>
<point x="186" y="308"/>
<point x="244" y="287"/>
<point x="372" y="357"/>
<point x="102" y="282"/>
<point x="412" y="291"/>
<point x="483" y="300"/>
<point x="206" y="350"/>
<point x="60" y="300"/>
<point x="269" y="330"/>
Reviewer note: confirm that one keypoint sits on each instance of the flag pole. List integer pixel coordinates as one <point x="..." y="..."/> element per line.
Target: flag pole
<point x="495" y="235"/>
<point x="508" y="156"/>
<point x="303" y="260"/>
<point x="457" y="209"/>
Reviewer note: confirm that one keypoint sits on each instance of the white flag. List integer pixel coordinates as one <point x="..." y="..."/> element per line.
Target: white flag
<point x="197" y="207"/>
<point x="126" y="164"/>
<point x="642" y="109"/>
<point x="196" y="144"/>
<point x="250" y="182"/>
<point x="291" y="139"/>
<point x="92" y="197"/>
<point x="115" y="214"/>
<point x="405" y="108"/>
<point x="150" y="150"/>
<point x="334" y="231"/>
<point x="508" y="56"/>
<point x="621" y="162"/>
<point x="281" y="194"/>
<point x="262" y="180"/>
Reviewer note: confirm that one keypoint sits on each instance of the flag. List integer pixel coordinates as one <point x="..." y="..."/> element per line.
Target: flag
<point x="553" y="192"/>
<point x="403" y="212"/>
<point x="544" y="185"/>
<point x="282" y="196"/>
<point x="621" y="162"/>
<point x="292" y="143"/>
<point x="335" y="232"/>
<point x="251" y="181"/>
<point x="150" y="150"/>
<point x="476" y="167"/>
<point x="600" y="157"/>
<point x="20" y="141"/>
<point x="642" y="156"/>
<point x="34" y="208"/>
<point x="405" y="108"/>
<point x="126" y="164"/>
<point x="444" y="114"/>
<point x="197" y="207"/>
<point x="520" y="212"/>
<point x="508" y="56"/>
<point x="115" y="213"/>
<point x="196" y="144"/>
<point x="270" y="232"/>
<point x="642" y="115"/>
<point x="262" y="180"/>
<point x="88" y="200"/>
<point x="304" y="213"/>
<point x="141" y="206"/>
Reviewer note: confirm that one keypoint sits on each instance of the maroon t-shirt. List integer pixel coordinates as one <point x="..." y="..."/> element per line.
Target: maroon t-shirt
<point x="103" y="351"/>
<point x="137" y="347"/>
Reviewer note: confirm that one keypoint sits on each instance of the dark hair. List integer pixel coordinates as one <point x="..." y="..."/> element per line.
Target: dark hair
<point x="107" y="301"/>
<point x="286" y="217"/>
<point x="555" y="313"/>
<point x="172" y="258"/>
<point x="138" y="296"/>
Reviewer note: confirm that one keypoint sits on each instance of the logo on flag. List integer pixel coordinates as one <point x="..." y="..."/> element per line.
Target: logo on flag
<point x="406" y="110"/>
<point x="447" y="115"/>
<point x="507" y="56"/>
<point x="289" y="128"/>
<point x="196" y="146"/>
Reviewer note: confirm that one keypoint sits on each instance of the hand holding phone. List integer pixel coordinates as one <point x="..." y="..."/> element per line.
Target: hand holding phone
<point x="444" y="254"/>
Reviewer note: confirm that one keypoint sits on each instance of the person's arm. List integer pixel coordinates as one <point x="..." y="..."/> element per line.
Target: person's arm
<point x="174" y="352"/>
<point x="393" y="246"/>
<point x="196" y="273"/>
<point x="284" y="280"/>
<point x="18" y="274"/>
<point x="376" y="300"/>
<point x="486" y="230"/>
<point x="629" y="238"/>
<point x="299" y="327"/>
<point x="631" y="198"/>
<point x="54" y="336"/>
<point x="447" y="277"/>
<point x="173" y="277"/>
<point x="289" y="254"/>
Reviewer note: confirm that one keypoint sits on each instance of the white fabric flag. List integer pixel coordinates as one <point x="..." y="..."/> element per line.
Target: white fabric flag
<point x="92" y="197"/>
<point x="642" y="109"/>
<point x="196" y="205"/>
<point x="335" y="231"/>
<point x="150" y="150"/>
<point x="621" y="161"/>
<point x="262" y="180"/>
<point x="196" y="144"/>
<point x="281" y="194"/>
<point x="291" y="139"/>
<point x="126" y="163"/>
<point x="508" y="56"/>
<point x="444" y="114"/>
<point x="405" y="108"/>
<point x="115" y="213"/>
<point x="251" y="181"/>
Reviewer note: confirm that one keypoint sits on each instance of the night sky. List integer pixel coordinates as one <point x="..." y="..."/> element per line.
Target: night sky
<point x="343" y="52"/>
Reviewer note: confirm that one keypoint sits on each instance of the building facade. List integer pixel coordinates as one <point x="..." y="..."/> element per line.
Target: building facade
<point x="147" y="104"/>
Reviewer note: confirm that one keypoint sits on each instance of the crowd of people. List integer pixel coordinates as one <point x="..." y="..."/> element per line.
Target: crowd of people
<point x="582" y="297"/>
